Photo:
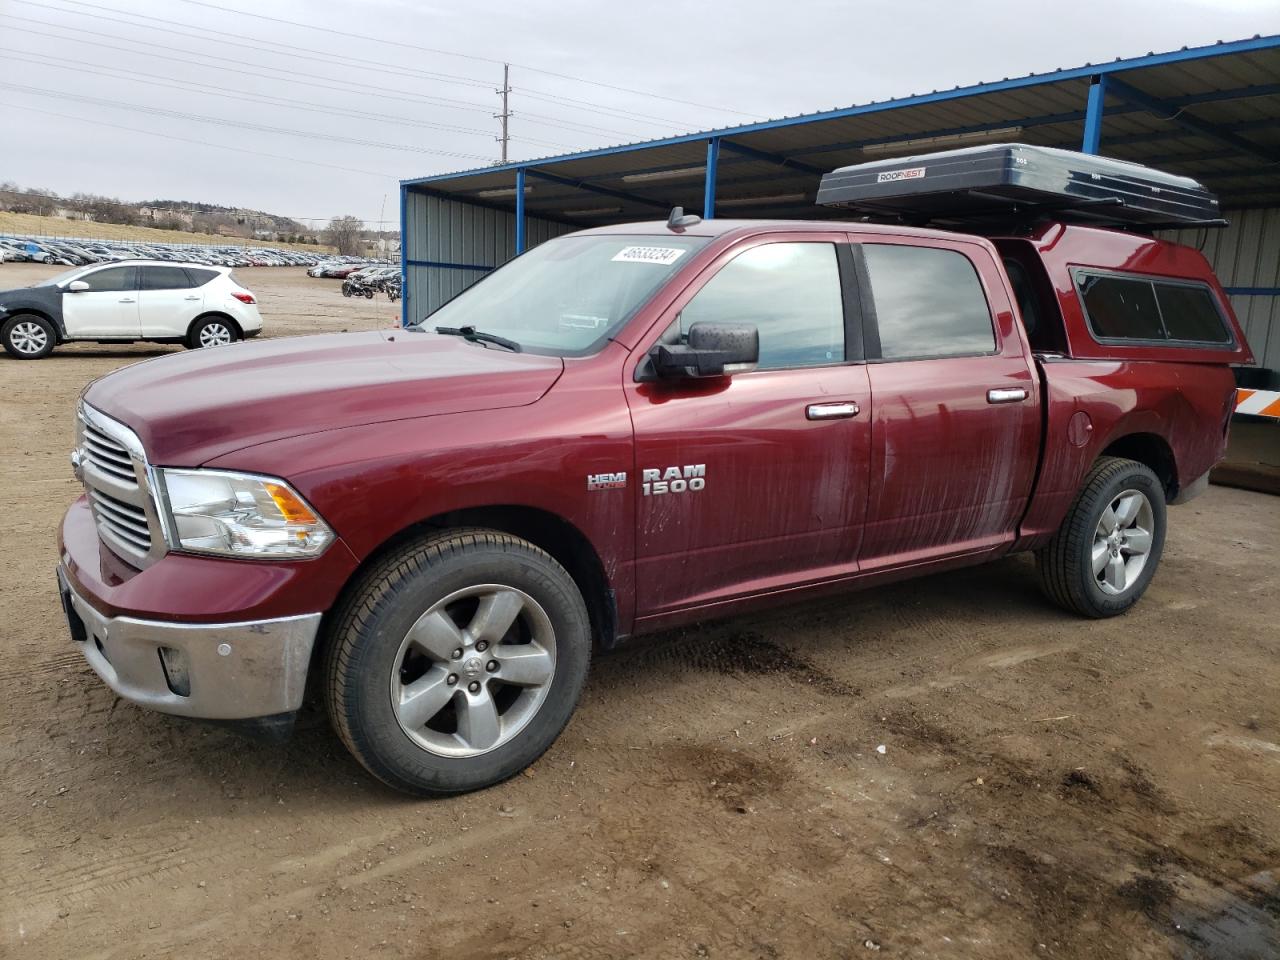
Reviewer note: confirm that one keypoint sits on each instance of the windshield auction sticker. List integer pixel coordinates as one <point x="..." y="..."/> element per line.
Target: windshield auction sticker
<point x="665" y="256"/>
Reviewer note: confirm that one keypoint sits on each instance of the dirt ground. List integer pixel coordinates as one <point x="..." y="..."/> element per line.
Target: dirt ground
<point x="944" y="768"/>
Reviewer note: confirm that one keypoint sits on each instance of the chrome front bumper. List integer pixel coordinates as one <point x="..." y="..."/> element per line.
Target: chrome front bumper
<point x="223" y="671"/>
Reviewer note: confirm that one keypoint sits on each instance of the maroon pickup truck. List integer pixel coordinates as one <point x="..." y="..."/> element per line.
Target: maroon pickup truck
<point x="625" y="429"/>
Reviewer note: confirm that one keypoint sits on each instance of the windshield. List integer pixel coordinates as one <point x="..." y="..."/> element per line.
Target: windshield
<point x="63" y="277"/>
<point x="566" y="296"/>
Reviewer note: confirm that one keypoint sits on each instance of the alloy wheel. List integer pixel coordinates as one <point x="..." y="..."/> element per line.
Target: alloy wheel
<point x="473" y="670"/>
<point x="214" y="335"/>
<point x="28" y="338"/>
<point x="1122" y="542"/>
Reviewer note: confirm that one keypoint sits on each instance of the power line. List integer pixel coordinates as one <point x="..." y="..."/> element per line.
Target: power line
<point x="466" y="56"/>
<point x="289" y="76"/>
<point x="324" y="55"/>
<point x="157" y="80"/>
<point x="200" y="143"/>
<point x="574" y="104"/>
<point x="262" y="128"/>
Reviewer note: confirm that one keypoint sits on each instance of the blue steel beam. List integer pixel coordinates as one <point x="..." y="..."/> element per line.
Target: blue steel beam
<point x="519" y="211"/>
<point x="1175" y="114"/>
<point x="709" y="184"/>
<point x="592" y="188"/>
<point x="1093" y="115"/>
<point x="1251" y="45"/>
<point x="768" y="157"/>
<point x="404" y="258"/>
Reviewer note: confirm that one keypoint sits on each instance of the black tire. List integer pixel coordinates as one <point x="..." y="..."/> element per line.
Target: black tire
<point x="20" y="338"/>
<point x="363" y="647"/>
<point x="1066" y="564"/>
<point x="196" y="335"/>
<point x="346" y="290"/>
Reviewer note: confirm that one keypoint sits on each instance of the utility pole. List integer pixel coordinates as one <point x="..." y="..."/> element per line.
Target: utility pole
<point x="505" y="115"/>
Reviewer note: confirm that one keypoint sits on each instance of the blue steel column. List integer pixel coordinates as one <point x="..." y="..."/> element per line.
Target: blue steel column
<point x="519" y="211"/>
<point x="404" y="258"/>
<point x="1093" y="114"/>
<point x="709" y="190"/>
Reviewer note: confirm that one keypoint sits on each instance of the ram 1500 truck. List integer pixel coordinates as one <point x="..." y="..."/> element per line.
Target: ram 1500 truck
<point x="625" y="429"/>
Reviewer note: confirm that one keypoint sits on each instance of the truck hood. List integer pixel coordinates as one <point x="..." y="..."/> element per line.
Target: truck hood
<point x="191" y="407"/>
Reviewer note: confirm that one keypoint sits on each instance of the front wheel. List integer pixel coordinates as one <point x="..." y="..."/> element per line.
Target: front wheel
<point x="212" y="332"/>
<point x="457" y="661"/>
<point x="1103" y="557"/>
<point x="28" y="337"/>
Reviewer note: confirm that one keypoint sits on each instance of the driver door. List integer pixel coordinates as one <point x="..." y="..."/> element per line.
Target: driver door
<point x="756" y="482"/>
<point x="109" y="308"/>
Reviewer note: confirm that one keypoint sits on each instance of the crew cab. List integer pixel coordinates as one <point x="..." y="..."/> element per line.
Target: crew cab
<point x="622" y="430"/>
<point x="148" y="300"/>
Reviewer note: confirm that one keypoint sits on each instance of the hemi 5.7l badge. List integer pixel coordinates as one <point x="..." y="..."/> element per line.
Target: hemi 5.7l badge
<point x="606" y="481"/>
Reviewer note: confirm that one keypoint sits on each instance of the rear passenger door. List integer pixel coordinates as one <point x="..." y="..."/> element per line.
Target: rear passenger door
<point x="167" y="301"/>
<point x="955" y="436"/>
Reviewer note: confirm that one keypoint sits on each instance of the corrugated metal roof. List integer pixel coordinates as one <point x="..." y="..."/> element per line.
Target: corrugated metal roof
<point x="1212" y="113"/>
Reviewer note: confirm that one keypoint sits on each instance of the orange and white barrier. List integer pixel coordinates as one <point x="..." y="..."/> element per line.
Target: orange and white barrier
<point x="1258" y="403"/>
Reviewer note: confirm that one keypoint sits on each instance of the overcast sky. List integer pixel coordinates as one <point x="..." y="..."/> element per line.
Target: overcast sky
<point x="88" y="86"/>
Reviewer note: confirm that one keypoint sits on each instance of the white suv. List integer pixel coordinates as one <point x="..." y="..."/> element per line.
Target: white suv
<point x="154" y="300"/>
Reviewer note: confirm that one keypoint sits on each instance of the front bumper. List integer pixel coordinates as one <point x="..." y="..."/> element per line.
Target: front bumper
<point x="223" y="671"/>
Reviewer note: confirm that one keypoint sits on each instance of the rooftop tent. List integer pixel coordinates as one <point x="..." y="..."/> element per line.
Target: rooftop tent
<point x="996" y="184"/>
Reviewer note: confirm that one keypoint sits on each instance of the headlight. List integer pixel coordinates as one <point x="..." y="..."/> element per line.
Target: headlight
<point x="240" y="515"/>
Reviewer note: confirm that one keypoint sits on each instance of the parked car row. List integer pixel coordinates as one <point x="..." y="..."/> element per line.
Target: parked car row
<point x="339" y="268"/>
<point x="79" y="253"/>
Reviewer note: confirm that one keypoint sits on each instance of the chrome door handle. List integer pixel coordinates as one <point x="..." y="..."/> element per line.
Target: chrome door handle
<point x="831" y="411"/>
<point x="190" y="298"/>
<point x="1006" y="395"/>
<point x="128" y="300"/>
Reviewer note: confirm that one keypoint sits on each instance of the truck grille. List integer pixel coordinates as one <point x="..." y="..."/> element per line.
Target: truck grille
<point x="113" y="467"/>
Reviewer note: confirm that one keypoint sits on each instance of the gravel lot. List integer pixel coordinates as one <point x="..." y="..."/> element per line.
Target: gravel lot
<point x="1047" y="786"/>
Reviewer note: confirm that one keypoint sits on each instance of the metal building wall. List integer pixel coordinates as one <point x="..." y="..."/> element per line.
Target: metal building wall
<point x="1246" y="257"/>
<point x="450" y="244"/>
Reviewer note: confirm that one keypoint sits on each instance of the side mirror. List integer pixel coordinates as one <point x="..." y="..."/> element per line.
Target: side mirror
<point x="77" y="286"/>
<point x="712" y="350"/>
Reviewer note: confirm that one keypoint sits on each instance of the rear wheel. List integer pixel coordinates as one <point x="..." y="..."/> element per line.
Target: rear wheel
<point x="457" y="661"/>
<point x="212" y="332"/>
<point x="1104" y="555"/>
<point x="28" y="336"/>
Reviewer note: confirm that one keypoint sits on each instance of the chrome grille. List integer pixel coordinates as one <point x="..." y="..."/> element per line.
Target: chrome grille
<point x="107" y="455"/>
<point x="124" y="520"/>
<point x="113" y="467"/>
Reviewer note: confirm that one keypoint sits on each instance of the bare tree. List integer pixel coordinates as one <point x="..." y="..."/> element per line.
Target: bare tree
<point x="344" y="233"/>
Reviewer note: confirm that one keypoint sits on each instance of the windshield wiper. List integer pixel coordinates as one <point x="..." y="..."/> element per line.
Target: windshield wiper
<point x="479" y="336"/>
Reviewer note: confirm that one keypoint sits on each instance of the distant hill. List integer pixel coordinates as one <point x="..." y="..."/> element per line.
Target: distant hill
<point x="28" y="224"/>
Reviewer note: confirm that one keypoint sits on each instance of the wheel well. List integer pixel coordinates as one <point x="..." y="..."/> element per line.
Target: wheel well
<point x="565" y="542"/>
<point x="221" y="316"/>
<point x="1152" y="451"/>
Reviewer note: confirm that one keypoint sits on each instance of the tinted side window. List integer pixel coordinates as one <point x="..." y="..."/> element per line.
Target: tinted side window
<point x="165" y="278"/>
<point x="790" y="291"/>
<point x="200" y="277"/>
<point x="1190" y="313"/>
<point x="113" y="278"/>
<point x="929" y="302"/>
<point x="1121" y="308"/>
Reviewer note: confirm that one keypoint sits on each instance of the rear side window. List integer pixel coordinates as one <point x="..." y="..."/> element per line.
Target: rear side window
<point x="165" y="278"/>
<point x="200" y="277"/>
<point x="928" y="303"/>
<point x="1137" y="308"/>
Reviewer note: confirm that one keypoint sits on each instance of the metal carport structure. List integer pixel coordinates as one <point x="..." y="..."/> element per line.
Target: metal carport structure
<point x="1210" y="112"/>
